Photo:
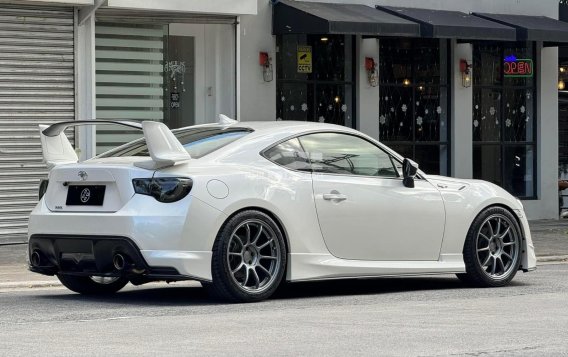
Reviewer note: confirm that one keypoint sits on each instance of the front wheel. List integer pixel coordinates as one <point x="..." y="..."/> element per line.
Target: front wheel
<point x="249" y="258"/>
<point x="92" y="285"/>
<point x="492" y="250"/>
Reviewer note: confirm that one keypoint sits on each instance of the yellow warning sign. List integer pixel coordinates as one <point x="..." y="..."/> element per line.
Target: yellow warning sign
<point x="304" y="59"/>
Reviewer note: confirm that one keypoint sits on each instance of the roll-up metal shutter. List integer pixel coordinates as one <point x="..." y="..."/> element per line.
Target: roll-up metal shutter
<point x="36" y="87"/>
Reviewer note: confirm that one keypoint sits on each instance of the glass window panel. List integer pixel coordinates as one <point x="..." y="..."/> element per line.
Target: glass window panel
<point x="520" y="51"/>
<point x="395" y="60"/>
<point x="332" y="57"/>
<point x="287" y="60"/>
<point x="432" y="159"/>
<point x="396" y="116"/>
<point x="289" y="154"/>
<point x="346" y="155"/>
<point x="519" y="170"/>
<point x="518" y="114"/>
<point x="487" y="163"/>
<point x="403" y="150"/>
<point x="487" y="64"/>
<point x="334" y="104"/>
<point x="430" y="114"/>
<point x="486" y="114"/>
<point x="294" y="101"/>
<point x="427" y="61"/>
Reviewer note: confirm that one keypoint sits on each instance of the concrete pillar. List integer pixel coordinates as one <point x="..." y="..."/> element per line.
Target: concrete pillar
<point x="368" y="97"/>
<point x="546" y="206"/>
<point x="461" y="114"/>
<point x="85" y="87"/>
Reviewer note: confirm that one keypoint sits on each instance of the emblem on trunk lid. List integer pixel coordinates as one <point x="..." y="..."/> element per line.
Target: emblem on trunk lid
<point x="83" y="175"/>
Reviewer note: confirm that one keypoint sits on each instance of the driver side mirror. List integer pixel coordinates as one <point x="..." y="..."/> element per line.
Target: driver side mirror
<point x="409" y="169"/>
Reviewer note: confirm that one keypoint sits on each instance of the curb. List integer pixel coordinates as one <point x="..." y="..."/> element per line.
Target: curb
<point x="552" y="259"/>
<point x="29" y="284"/>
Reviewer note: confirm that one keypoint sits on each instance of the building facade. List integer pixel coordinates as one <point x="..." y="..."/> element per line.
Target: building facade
<point x="171" y="61"/>
<point x="501" y="127"/>
<point x="469" y="96"/>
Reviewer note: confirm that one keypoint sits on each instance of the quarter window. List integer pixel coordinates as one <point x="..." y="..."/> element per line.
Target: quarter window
<point x="289" y="154"/>
<point x="347" y="155"/>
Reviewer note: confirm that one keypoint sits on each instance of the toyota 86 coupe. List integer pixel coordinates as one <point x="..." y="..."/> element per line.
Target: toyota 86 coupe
<point x="244" y="206"/>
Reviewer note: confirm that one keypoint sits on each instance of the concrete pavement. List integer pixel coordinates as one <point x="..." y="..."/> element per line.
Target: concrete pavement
<point x="430" y="316"/>
<point x="550" y="238"/>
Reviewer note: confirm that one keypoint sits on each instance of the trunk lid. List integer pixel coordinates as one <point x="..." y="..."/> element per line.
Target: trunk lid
<point x="78" y="187"/>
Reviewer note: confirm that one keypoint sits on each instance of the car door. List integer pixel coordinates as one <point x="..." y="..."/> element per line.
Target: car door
<point x="364" y="210"/>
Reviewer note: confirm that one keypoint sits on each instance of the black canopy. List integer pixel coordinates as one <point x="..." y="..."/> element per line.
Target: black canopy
<point x="453" y="24"/>
<point x="299" y="17"/>
<point x="532" y="28"/>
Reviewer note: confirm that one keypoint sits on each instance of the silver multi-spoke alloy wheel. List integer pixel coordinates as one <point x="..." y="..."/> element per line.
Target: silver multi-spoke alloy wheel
<point x="253" y="256"/>
<point x="492" y="249"/>
<point x="249" y="258"/>
<point x="497" y="246"/>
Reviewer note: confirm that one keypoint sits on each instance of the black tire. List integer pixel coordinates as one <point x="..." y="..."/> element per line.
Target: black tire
<point x="477" y="273"/>
<point x="87" y="286"/>
<point x="225" y="284"/>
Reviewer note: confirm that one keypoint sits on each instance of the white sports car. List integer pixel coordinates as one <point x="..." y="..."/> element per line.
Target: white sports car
<point x="244" y="206"/>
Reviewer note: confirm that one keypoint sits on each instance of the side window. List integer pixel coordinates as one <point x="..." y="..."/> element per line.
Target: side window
<point x="289" y="154"/>
<point x="347" y="155"/>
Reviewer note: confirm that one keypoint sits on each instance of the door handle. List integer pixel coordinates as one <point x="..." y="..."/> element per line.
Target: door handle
<point x="334" y="197"/>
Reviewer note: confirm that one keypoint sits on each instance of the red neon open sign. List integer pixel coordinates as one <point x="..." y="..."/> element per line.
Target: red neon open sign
<point x="513" y="67"/>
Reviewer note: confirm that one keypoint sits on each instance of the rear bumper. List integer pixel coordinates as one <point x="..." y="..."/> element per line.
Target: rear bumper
<point x="176" y="235"/>
<point x="93" y="256"/>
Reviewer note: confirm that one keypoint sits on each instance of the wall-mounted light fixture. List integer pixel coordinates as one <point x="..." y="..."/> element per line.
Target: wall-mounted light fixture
<point x="465" y="69"/>
<point x="406" y="82"/>
<point x="266" y="63"/>
<point x="561" y="85"/>
<point x="372" y="72"/>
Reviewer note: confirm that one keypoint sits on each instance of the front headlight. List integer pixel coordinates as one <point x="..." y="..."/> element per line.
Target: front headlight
<point x="163" y="189"/>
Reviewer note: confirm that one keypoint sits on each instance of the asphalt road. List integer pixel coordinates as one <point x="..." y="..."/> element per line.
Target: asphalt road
<point x="410" y="317"/>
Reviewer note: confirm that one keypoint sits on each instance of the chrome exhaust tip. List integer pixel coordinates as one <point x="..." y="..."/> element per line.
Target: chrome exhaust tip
<point x="119" y="261"/>
<point x="35" y="258"/>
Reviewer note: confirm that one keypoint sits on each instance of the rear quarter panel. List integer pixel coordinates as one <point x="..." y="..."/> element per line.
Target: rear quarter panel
<point x="257" y="183"/>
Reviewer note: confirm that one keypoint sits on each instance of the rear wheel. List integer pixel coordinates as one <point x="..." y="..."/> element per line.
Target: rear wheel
<point x="249" y="258"/>
<point x="92" y="285"/>
<point x="492" y="251"/>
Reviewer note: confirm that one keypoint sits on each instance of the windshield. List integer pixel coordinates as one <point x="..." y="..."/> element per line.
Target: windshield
<point x="197" y="141"/>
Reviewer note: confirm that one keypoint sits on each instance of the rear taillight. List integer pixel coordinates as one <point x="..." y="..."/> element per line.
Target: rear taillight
<point x="42" y="187"/>
<point x="163" y="189"/>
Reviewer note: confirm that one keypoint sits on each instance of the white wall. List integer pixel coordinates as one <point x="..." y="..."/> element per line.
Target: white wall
<point x="367" y="100"/>
<point x="218" y="7"/>
<point x="258" y="98"/>
<point x="461" y="124"/>
<point x="547" y="137"/>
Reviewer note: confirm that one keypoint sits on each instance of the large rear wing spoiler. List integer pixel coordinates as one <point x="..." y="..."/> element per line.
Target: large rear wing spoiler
<point x="164" y="148"/>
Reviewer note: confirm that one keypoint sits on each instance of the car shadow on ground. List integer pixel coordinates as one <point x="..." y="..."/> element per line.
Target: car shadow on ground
<point x="371" y="286"/>
<point x="176" y="295"/>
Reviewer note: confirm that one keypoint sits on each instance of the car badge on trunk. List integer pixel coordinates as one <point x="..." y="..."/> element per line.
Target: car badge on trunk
<point x="83" y="175"/>
<point x="85" y="195"/>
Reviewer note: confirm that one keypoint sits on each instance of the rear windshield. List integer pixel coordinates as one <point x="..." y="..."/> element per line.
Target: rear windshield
<point x="197" y="141"/>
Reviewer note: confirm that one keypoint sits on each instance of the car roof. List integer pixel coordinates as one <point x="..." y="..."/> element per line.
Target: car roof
<point x="288" y="127"/>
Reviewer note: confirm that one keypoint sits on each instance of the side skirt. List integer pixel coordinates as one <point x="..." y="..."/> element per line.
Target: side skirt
<point x="304" y="267"/>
